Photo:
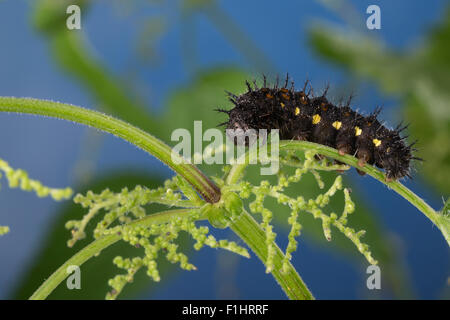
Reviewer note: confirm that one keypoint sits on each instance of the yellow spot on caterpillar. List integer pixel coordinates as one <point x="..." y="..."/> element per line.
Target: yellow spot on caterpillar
<point x="268" y="95"/>
<point x="282" y="104"/>
<point x="358" y="131"/>
<point x="316" y="119"/>
<point x="376" y="142"/>
<point x="297" y="111"/>
<point x="337" y="125"/>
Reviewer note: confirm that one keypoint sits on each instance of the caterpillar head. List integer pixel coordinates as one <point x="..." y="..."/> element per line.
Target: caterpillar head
<point x="239" y="127"/>
<point x="395" y="158"/>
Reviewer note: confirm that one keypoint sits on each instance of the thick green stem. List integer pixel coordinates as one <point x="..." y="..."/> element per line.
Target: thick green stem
<point x="96" y="247"/>
<point x="121" y="129"/>
<point x="442" y="222"/>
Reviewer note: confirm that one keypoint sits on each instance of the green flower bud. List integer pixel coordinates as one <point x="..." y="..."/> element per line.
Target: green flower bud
<point x="233" y="204"/>
<point x="217" y="216"/>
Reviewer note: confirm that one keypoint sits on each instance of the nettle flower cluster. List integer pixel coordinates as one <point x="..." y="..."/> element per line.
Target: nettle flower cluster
<point x="18" y="178"/>
<point x="299" y="204"/>
<point x="125" y="216"/>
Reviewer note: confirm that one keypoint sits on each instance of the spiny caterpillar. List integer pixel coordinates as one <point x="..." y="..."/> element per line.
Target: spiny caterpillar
<point x="302" y="116"/>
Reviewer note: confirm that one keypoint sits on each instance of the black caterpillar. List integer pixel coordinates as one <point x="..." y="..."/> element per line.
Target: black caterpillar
<point x="301" y="116"/>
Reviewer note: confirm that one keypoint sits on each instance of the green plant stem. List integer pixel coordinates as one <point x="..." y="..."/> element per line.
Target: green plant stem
<point x="290" y="281"/>
<point x="441" y="221"/>
<point x="121" y="129"/>
<point x="96" y="247"/>
<point x="235" y="173"/>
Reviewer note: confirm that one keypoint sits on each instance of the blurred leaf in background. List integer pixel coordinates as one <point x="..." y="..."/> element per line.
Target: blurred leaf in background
<point x="72" y="52"/>
<point x="419" y="75"/>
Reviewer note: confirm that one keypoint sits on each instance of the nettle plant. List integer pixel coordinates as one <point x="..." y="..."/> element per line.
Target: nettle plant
<point x="229" y="201"/>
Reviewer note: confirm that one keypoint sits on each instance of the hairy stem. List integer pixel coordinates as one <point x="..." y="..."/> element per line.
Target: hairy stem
<point x="96" y="247"/>
<point x="121" y="129"/>
<point x="441" y="221"/>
